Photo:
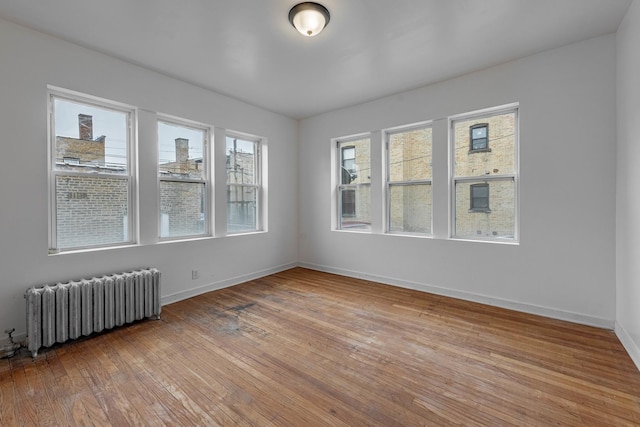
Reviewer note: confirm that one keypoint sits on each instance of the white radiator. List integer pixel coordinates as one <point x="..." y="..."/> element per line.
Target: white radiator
<point x="67" y="311"/>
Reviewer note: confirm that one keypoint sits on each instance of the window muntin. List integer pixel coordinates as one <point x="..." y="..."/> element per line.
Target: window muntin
<point x="484" y="190"/>
<point x="409" y="174"/>
<point x="354" y="188"/>
<point x="183" y="179"/>
<point x="243" y="184"/>
<point x="92" y="170"/>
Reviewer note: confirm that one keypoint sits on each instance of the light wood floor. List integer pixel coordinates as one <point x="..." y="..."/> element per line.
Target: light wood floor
<point x="303" y="348"/>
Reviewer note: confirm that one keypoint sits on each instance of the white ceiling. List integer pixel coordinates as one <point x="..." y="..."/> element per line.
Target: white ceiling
<point x="371" y="48"/>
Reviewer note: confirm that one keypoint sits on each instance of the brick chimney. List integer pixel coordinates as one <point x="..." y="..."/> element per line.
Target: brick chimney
<point x="85" y="123"/>
<point x="182" y="153"/>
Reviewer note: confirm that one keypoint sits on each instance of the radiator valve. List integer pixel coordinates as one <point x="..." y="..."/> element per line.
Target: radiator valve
<point x="8" y="347"/>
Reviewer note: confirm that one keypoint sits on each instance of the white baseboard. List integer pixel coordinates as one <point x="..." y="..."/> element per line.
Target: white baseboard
<point x="182" y="295"/>
<point x="497" y="302"/>
<point x="629" y="344"/>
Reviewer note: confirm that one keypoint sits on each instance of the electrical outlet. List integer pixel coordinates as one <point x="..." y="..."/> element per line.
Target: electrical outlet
<point x="195" y="274"/>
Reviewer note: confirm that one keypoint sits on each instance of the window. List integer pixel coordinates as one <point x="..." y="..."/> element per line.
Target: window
<point x="354" y="185"/>
<point x="479" y="198"/>
<point x="183" y="175"/>
<point x="484" y="190"/>
<point x="409" y="180"/>
<point x="479" y="137"/>
<point x="91" y="172"/>
<point x="243" y="184"/>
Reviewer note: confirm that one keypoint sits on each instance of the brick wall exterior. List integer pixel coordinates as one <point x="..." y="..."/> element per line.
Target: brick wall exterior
<point x="182" y="204"/>
<point x="410" y="160"/>
<point x="182" y="208"/>
<point x="500" y="221"/>
<point x="90" y="211"/>
<point x="87" y="151"/>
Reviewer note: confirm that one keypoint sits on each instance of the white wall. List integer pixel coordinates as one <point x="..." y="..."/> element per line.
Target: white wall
<point x="30" y="62"/>
<point x="564" y="266"/>
<point x="628" y="184"/>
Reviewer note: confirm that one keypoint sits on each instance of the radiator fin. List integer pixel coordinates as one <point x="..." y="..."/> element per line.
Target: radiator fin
<point x="65" y="311"/>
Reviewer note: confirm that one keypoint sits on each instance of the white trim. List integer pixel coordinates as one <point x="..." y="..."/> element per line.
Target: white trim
<point x="182" y="295"/>
<point x="627" y="342"/>
<point x="467" y="296"/>
<point x="130" y="175"/>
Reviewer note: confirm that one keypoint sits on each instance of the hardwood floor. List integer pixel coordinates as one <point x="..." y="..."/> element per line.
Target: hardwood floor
<point x="304" y="348"/>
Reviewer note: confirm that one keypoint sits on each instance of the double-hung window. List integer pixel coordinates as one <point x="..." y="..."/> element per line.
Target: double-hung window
<point x="243" y="184"/>
<point x="354" y="183"/>
<point x="484" y="180"/>
<point x="92" y="170"/>
<point x="409" y="175"/>
<point x="183" y="173"/>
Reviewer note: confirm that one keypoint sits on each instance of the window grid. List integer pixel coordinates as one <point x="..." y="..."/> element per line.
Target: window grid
<point x="92" y="186"/>
<point x="409" y="175"/>
<point x="354" y="183"/>
<point x="184" y="178"/>
<point x="495" y="169"/>
<point x="243" y="184"/>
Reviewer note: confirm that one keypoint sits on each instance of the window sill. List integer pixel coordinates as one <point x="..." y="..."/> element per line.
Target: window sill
<point x="58" y="252"/>
<point x="487" y="239"/>
<point x="245" y="233"/>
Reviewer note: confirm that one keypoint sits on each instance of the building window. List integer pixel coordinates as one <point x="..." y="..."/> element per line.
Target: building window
<point x="92" y="172"/>
<point x="243" y="184"/>
<point x="479" y="198"/>
<point x="354" y="184"/>
<point x="409" y="175"/>
<point x="479" y="137"/>
<point x="483" y="180"/>
<point x="183" y="176"/>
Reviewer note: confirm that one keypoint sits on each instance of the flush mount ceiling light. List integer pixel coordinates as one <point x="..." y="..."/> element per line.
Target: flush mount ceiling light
<point x="309" y="18"/>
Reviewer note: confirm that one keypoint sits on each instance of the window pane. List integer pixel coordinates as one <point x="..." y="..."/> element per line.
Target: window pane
<point x="241" y="208"/>
<point x="410" y="208"/>
<point x="182" y="208"/>
<point x="355" y="208"/>
<point x="497" y="220"/>
<point x="89" y="138"/>
<point x="181" y="151"/>
<point x="355" y="161"/>
<point x="500" y="160"/>
<point x="91" y="211"/>
<point x="410" y="155"/>
<point x="241" y="161"/>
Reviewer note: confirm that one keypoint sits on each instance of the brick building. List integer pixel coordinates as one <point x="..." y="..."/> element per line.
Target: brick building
<point x="89" y="209"/>
<point x="483" y="161"/>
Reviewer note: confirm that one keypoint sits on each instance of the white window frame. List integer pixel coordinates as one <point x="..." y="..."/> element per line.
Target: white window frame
<point x="53" y="173"/>
<point x="515" y="175"/>
<point x="388" y="183"/>
<point x="206" y="180"/>
<point x="340" y="186"/>
<point x="259" y="189"/>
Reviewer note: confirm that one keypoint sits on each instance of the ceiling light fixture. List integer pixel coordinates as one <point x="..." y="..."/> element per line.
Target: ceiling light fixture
<point x="309" y="18"/>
